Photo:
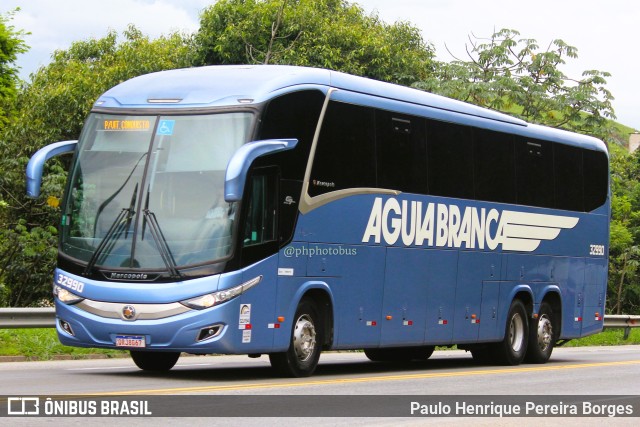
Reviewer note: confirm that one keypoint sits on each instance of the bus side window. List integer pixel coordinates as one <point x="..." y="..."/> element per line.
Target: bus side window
<point x="294" y="115"/>
<point x="402" y="152"/>
<point x="345" y="156"/>
<point x="596" y="169"/>
<point x="450" y="160"/>
<point x="569" y="177"/>
<point x="494" y="166"/>
<point x="534" y="172"/>
<point x="261" y="225"/>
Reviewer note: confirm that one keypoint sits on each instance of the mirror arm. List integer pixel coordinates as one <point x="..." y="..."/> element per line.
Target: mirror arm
<point x="238" y="166"/>
<point x="36" y="164"/>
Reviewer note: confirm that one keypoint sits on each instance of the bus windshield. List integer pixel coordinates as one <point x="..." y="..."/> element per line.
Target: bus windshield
<point x="146" y="192"/>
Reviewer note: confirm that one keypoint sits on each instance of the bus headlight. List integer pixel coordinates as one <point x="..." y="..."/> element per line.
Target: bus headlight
<point x="209" y="300"/>
<point x="65" y="296"/>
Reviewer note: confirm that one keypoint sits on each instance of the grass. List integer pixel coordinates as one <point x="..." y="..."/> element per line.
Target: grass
<point x="608" y="337"/>
<point x="623" y="129"/>
<point x="43" y="344"/>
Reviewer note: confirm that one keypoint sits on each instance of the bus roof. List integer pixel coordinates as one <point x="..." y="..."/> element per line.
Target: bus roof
<point x="234" y="85"/>
<point x="227" y="85"/>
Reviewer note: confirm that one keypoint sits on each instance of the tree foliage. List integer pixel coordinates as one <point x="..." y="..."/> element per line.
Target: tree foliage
<point x="11" y="45"/>
<point x="512" y="74"/>
<point x="505" y="72"/>
<point x="333" y="34"/>
<point x="624" y="241"/>
<point x="52" y="107"/>
<point x="54" y="104"/>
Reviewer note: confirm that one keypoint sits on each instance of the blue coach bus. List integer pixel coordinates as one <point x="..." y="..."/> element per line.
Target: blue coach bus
<point x="286" y="210"/>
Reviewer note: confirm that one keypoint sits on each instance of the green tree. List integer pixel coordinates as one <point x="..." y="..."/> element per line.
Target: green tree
<point x="512" y="74"/>
<point x="624" y="241"/>
<point x="52" y="107"/>
<point x="11" y="45"/>
<point x="332" y="34"/>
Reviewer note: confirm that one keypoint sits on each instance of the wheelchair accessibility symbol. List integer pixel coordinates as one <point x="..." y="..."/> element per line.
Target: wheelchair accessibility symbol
<point x="165" y="127"/>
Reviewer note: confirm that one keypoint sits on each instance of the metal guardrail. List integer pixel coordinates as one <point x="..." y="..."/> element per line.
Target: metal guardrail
<point x="625" y="321"/>
<point x="12" y="318"/>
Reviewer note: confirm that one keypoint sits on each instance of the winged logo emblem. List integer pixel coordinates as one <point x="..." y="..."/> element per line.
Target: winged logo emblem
<point x="523" y="231"/>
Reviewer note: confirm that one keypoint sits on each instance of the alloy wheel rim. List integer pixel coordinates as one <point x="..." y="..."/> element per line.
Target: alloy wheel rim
<point x="304" y="338"/>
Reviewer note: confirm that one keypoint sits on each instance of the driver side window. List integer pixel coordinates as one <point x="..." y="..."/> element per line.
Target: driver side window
<point x="261" y="224"/>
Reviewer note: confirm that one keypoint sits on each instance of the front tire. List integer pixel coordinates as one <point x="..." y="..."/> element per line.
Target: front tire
<point x="542" y="336"/>
<point x="154" y="361"/>
<point x="301" y="358"/>
<point x="513" y="348"/>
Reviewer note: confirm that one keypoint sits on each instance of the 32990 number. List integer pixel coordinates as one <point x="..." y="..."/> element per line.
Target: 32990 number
<point x="70" y="283"/>
<point x="597" y="250"/>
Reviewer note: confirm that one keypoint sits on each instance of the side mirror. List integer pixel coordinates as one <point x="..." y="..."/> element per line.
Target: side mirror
<point x="36" y="164"/>
<point x="238" y="166"/>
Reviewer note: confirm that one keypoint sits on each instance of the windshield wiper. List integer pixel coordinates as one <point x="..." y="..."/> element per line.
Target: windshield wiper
<point x="161" y="243"/>
<point x="119" y="225"/>
<point x="115" y="194"/>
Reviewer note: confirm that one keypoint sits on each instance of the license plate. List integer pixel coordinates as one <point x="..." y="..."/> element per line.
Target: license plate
<point x="130" y="341"/>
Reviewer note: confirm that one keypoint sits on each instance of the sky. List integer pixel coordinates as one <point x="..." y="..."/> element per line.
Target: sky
<point x="603" y="32"/>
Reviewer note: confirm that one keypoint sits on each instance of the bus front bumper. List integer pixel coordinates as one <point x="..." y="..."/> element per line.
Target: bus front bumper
<point x="183" y="330"/>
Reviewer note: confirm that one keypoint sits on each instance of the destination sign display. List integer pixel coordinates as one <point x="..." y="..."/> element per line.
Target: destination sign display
<point x="125" y="125"/>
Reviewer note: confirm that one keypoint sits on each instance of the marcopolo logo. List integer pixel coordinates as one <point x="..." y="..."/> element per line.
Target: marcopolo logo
<point x="326" y="184"/>
<point x="129" y="276"/>
<point x="439" y="225"/>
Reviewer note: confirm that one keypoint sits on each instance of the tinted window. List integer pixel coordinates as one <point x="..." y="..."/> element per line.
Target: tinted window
<point x="450" y="160"/>
<point x="294" y="115"/>
<point x="596" y="171"/>
<point x="402" y="152"/>
<point x="568" y="177"/>
<point x="260" y="216"/>
<point x="494" y="172"/>
<point x="417" y="155"/>
<point x="534" y="172"/>
<point x="261" y="211"/>
<point x="345" y="155"/>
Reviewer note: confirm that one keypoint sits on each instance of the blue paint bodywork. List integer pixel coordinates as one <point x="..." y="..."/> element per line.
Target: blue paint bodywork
<point x="381" y="294"/>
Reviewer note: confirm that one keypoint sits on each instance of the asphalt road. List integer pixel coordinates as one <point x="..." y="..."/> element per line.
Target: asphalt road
<point x="571" y="371"/>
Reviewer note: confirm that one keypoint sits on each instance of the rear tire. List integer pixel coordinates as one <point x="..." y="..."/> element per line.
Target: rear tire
<point x="513" y="348"/>
<point x="301" y="358"/>
<point x="154" y="361"/>
<point x="542" y="336"/>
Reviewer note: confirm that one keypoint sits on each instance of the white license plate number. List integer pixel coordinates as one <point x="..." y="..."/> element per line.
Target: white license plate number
<point x="130" y="341"/>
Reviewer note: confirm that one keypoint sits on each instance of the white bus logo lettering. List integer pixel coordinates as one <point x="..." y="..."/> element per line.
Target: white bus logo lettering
<point x="70" y="283"/>
<point x="446" y="226"/>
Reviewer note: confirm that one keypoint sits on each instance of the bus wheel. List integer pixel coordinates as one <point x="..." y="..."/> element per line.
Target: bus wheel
<point x="399" y="354"/>
<point x="542" y="336"/>
<point x="154" y="361"/>
<point x="512" y="349"/>
<point x="301" y="359"/>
